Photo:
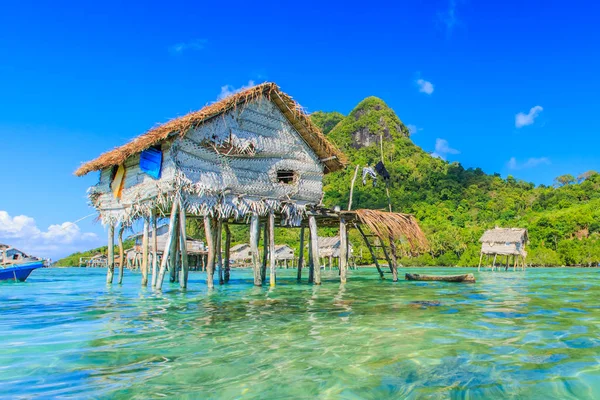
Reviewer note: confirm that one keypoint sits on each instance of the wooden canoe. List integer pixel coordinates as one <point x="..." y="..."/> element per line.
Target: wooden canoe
<point x="444" y="278"/>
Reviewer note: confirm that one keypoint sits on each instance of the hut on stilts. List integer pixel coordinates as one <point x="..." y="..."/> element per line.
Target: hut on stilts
<point x="252" y="158"/>
<point x="504" y="242"/>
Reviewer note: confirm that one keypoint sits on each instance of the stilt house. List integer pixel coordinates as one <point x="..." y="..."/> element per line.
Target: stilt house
<point x="254" y="157"/>
<point x="505" y="242"/>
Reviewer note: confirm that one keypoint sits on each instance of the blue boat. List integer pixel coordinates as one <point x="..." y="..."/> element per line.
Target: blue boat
<point x="19" y="272"/>
<point x="16" y="265"/>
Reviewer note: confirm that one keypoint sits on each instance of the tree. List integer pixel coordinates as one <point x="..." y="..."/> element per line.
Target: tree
<point x="586" y="175"/>
<point x="564" y="180"/>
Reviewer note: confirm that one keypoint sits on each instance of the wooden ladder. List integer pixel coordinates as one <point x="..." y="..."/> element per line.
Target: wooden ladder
<point x="377" y="244"/>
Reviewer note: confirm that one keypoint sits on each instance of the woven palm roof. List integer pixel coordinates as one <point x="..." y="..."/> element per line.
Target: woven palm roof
<point x="327" y="242"/>
<point x="333" y="158"/>
<point x="504" y="235"/>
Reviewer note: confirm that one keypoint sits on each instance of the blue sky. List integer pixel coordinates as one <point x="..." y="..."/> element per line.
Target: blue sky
<point x="78" y="79"/>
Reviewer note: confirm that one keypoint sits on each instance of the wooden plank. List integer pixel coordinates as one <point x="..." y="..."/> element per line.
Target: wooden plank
<point x="272" y="266"/>
<point x="110" y="262"/>
<point x="312" y="227"/>
<point x="170" y="238"/>
<point x="183" y="277"/>
<point x="301" y="255"/>
<point x="254" y="238"/>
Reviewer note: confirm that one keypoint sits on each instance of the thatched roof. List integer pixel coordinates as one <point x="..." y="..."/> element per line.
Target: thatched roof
<point x="312" y="135"/>
<point x="505" y="235"/>
<point x="329" y="242"/>
<point x="394" y="226"/>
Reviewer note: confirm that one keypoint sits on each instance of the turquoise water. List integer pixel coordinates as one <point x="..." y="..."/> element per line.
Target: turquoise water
<point x="532" y="334"/>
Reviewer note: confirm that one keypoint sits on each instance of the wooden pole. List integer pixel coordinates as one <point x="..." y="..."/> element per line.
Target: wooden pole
<point x="515" y="259"/>
<point x="170" y="238"/>
<point x="219" y="238"/>
<point x="263" y="268"/>
<point x="311" y="265"/>
<point x="352" y="188"/>
<point x="494" y="262"/>
<point x="272" y="264"/>
<point x="254" y="239"/>
<point x="227" y="261"/>
<point x="343" y="260"/>
<point x="301" y="255"/>
<point x="121" y="253"/>
<point x="314" y="236"/>
<point x="480" y="258"/>
<point x="110" y="262"/>
<point x="173" y="251"/>
<point x="145" y="235"/>
<point x="183" y="275"/>
<point x="154" y="250"/>
<point x="393" y="259"/>
<point x="209" y="233"/>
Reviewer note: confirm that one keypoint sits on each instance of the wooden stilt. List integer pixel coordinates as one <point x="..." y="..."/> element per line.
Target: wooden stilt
<point x="343" y="260"/>
<point x="265" y="257"/>
<point x="254" y="239"/>
<point x="145" y="239"/>
<point x="110" y="262"/>
<point x="121" y="253"/>
<point x="314" y="236"/>
<point x="311" y="264"/>
<point x="480" y="258"/>
<point x="507" y="261"/>
<point x="209" y="233"/>
<point x="170" y="238"/>
<point x="183" y="277"/>
<point x="154" y="250"/>
<point x="272" y="263"/>
<point x="515" y="260"/>
<point x="301" y="255"/>
<point x="227" y="261"/>
<point x="393" y="259"/>
<point x="494" y="262"/>
<point x="219" y="238"/>
<point x="173" y="264"/>
<point x="352" y="188"/>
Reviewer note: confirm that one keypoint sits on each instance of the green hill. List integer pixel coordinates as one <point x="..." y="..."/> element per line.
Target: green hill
<point x="455" y="205"/>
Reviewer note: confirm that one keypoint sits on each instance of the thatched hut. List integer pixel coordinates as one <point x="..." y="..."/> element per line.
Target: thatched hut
<point x="254" y="157"/>
<point x="241" y="253"/>
<point x="505" y="242"/>
<point x="329" y="249"/>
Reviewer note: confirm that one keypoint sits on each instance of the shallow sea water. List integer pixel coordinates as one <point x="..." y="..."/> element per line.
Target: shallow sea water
<point x="532" y="334"/>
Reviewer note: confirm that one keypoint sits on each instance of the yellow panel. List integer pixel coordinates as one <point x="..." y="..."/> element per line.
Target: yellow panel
<point x="118" y="182"/>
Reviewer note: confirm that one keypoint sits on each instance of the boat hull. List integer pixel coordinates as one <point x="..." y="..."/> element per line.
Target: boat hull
<point x="469" y="278"/>
<point x="20" y="272"/>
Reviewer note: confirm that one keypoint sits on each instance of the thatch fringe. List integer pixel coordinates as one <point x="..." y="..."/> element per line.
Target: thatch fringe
<point x="325" y="150"/>
<point x="394" y="226"/>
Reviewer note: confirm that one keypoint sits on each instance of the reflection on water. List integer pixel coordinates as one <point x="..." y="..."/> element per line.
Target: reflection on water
<point x="532" y="334"/>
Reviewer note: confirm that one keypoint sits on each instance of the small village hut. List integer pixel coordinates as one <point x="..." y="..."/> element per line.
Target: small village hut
<point x="329" y="248"/>
<point x="254" y="158"/>
<point x="505" y="242"/>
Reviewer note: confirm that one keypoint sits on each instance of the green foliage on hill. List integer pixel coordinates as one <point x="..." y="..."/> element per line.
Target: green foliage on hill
<point x="455" y="205"/>
<point x="73" y="259"/>
<point x="326" y="120"/>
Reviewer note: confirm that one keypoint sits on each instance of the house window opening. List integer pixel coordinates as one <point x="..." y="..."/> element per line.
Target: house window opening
<point x="286" y="176"/>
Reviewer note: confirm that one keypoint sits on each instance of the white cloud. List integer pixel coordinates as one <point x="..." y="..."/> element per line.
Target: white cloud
<point x="448" y="17"/>
<point x="228" y="90"/>
<point x="57" y="241"/>
<point x="522" y="119"/>
<point x="530" y="163"/>
<point x="412" y="129"/>
<point x="425" y="86"/>
<point x="196" y="44"/>
<point x="442" y="149"/>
